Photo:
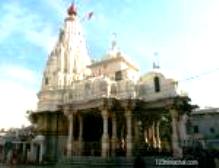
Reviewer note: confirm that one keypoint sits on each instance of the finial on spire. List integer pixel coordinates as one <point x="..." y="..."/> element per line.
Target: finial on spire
<point x="114" y="41"/>
<point x="72" y="9"/>
<point x="155" y="62"/>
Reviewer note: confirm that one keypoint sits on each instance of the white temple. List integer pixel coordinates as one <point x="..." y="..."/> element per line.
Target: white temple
<point x="78" y="97"/>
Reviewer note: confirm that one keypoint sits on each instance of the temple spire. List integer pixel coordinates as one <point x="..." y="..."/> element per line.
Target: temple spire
<point x="69" y="59"/>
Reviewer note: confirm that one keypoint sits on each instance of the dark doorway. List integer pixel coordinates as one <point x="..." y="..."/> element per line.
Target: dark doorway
<point x="92" y="133"/>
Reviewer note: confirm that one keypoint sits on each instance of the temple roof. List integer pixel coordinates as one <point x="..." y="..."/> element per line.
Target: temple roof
<point x="115" y="58"/>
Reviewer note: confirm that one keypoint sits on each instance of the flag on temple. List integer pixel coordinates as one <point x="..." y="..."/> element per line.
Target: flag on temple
<point x="90" y="14"/>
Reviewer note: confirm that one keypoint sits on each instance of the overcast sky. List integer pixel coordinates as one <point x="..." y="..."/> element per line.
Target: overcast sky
<point x="185" y="33"/>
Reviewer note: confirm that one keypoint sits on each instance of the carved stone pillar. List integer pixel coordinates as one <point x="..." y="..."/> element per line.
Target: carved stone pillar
<point x="150" y="136"/>
<point x="41" y="152"/>
<point x="177" y="151"/>
<point x="70" y="135"/>
<point x="146" y="135"/>
<point x="129" y="145"/>
<point x="114" y="134"/>
<point x="158" y="134"/>
<point x="154" y="143"/>
<point x="80" y="139"/>
<point x="24" y="152"/>
<point x="105" y="136"/>
<point x="182" y="129"/>
<point x="33" y="152"/>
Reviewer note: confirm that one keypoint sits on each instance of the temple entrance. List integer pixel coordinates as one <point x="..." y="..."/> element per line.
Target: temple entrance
<point x="92" y="134"/>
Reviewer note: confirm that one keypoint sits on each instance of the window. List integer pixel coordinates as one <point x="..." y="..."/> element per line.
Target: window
<point x="212" y="130"/>
<point x="195" y="129"/>
<point x="87" y="86"/>
<point x="118" y="75"/>
<point x="156" y="84"/>
<point x="113" y="90"/>
<point x="188" y="127"/>
<point x="46" y="81"/>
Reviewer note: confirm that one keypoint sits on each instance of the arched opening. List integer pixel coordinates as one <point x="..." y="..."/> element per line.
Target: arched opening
<point x="156" y="84"/>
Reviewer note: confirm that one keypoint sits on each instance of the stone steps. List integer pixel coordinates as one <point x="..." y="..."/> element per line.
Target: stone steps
<point x="95" y="162"/>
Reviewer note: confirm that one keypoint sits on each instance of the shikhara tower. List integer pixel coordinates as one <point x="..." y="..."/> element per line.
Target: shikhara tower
<point x="95" y="108"/>
<point x="67" y="62"/>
